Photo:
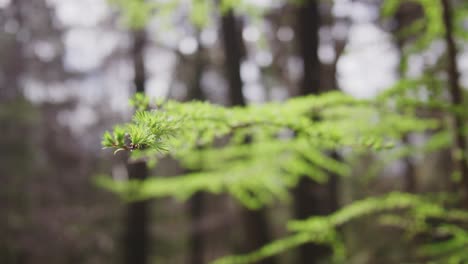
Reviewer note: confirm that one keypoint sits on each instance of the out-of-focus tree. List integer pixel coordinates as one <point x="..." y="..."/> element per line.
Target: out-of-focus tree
<point x="136" y="244"/>
<point x="45" y="167"/>
<point x="255" y="223"/>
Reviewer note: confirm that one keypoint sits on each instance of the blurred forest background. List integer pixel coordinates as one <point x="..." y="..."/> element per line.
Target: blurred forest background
<point x="68" y="69"/>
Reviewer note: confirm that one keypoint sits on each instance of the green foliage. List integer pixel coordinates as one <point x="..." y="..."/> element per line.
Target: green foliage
<point x="290" y="140"/>
<point x="286" y="141"/>
<point x="417" y="211"/>
<point x="433" y="23"/>
<point x="137" y="13"/>
<point x="460" y="17"/>
<point x="326" y="236"/>
<point x="424" y="31"/>
<point x="140" y="102"/>
<point x="451" y="250"/>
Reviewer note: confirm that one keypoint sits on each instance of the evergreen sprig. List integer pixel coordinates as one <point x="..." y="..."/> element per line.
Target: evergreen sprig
<point x="286" y="141"/>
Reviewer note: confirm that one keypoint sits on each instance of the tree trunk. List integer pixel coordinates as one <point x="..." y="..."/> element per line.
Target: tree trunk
<point x="12" y="66"/>
<point x="232" y="41"/>
<point x="459" y="145"/>
<point x="136" y="233"/>
<point x="407" y="13"/>
<point x="308" y="194"/>
<point x="197" y="202"/>
<point x="308" y="24"/>
<point x="197" y="243"/>
<point x="255" y="222"/>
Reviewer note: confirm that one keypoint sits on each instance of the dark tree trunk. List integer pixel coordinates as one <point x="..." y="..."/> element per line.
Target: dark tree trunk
<point x="405" y="16"/>
<point x="138" y="54"/>
<point x="257" y="231"/>
<point x="232" y="41"/>
<point x="308" y="195"/>
<point x="328" y="82"/>
<point x="136" y="233"/>
<point x="197" y="243"/>
<point x="306" y="204"/>
<point x="196" y="91"/>
<point x="12" y="66"/>
<point x="308" y="24"/>
<point x="410" y="183"/>
<point x="197" y="203"/>
<point x="255" y="223"/>
<point x="459" y="145"/>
